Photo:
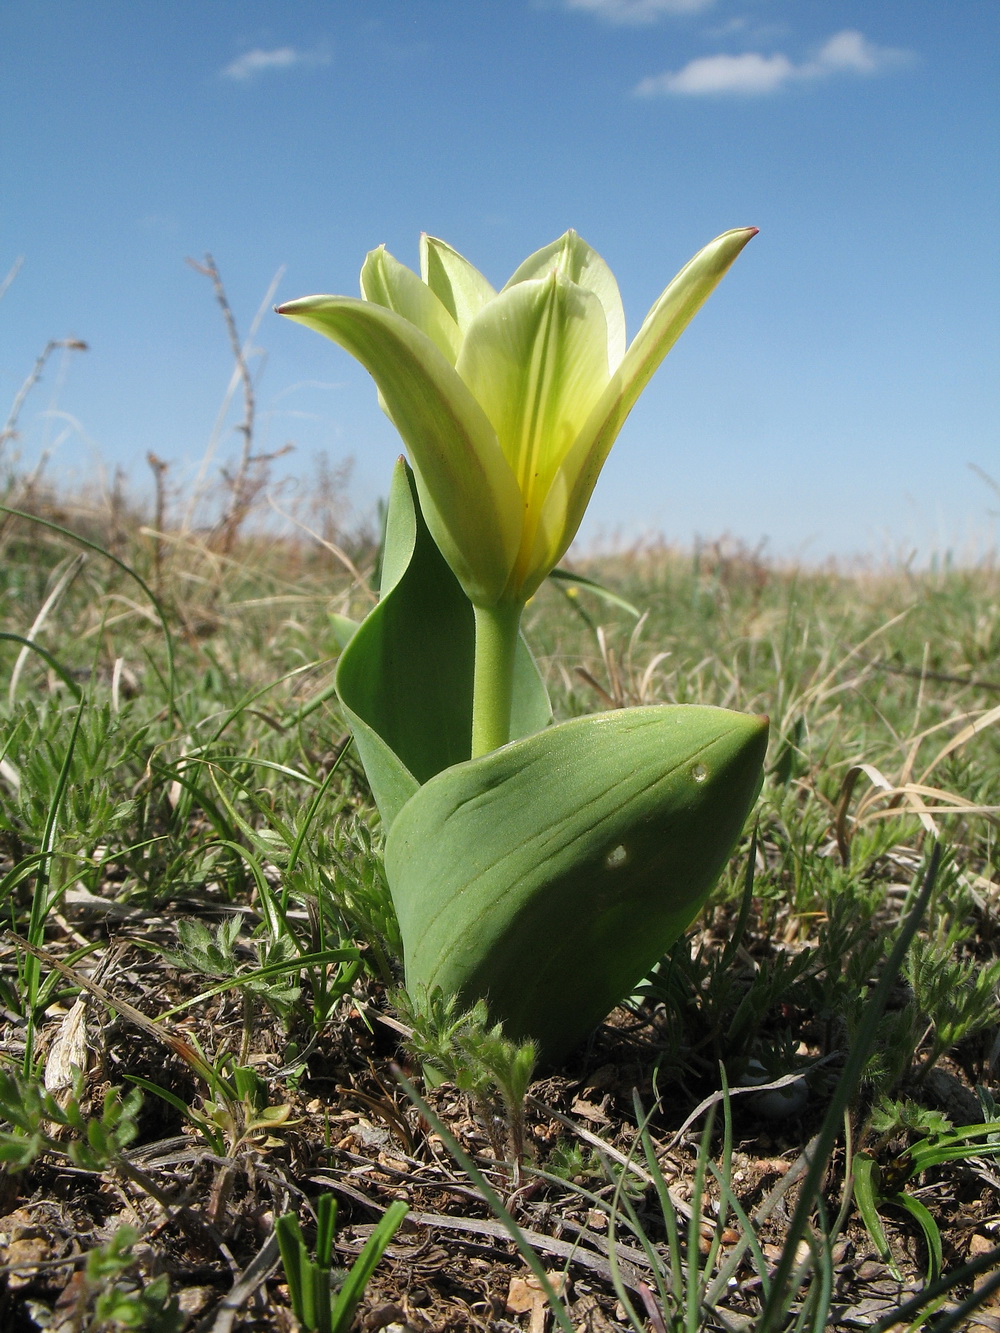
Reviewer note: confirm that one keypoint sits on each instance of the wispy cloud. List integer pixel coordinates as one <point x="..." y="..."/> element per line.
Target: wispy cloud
<point x="638" y="12"/>
<point x="253" y="63"/>
<point x="752" y="74"/>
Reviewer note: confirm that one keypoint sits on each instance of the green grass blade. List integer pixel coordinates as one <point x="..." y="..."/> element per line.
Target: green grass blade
<point x="44" y="653"/>
<point x="326" y="1225"/>
<point x="126" y="569"/>
<point x="293" y="1257"/>
<point x="846" y="1087"/>
<point x="314" y="804"/>
<point x="41" y="902"/>
<point x="364" y="1265"/>
<point x="492" y="1198"/>
<point x="598" y="589"/>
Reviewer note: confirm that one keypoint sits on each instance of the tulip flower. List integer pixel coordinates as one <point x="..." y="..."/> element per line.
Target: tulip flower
<point x="508" y="403"/>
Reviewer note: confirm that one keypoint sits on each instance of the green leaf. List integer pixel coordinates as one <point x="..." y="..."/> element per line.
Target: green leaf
<point x="932" y="1235"/>
<point x="548" y="876"/>
<point x="868" y="1195"/>
<point x="405" y="678"/>
<point x="468" y="493"/>
<point x="598" y="589"/>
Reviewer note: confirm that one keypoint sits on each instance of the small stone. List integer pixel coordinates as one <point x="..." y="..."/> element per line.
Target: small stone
<point x="385" y="1317"/>
<point x="192" y="1300"/>
<point x="23" y="1257"/>
<point x="870" y="1269"/>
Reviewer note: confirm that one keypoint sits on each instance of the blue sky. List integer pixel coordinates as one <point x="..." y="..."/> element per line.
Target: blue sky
<point x="829" y="399"/>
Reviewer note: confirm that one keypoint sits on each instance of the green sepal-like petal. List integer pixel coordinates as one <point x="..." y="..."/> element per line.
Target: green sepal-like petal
<point x="664" y="324"/>
<point x="405" y="677"/>
<point x="460" y="287"/>
<point x="548" y="876"/>
<point x="468" y="493"/>
<point x="535" y="359"/>
<point x="574" y="259"/>
<point x="388" y="283"/>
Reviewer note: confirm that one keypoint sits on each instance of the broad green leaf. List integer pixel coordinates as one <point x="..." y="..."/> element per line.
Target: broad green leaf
<point x="577" y="261"/>
<point x="468" y="493"/>
<point x="664" y="324"/>
<point x="458" y="285"/>
<point x="405" y="677"/>
<point x="548" y="876"/>
<point x="387" y="282"/>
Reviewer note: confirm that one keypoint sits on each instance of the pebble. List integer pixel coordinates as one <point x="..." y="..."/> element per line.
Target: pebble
<point x="777" y="1103"/>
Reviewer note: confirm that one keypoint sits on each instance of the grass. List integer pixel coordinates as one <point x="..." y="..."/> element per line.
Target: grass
<point x="793" y="1124"/>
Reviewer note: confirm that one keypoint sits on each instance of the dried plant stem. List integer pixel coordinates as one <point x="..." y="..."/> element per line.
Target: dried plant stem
<point x="9" y="431"/>
<point x="251" y="472"/>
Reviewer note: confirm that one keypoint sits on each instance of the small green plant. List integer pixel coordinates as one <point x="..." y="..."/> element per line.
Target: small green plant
<point x="882" y="1179"/>
<point x="460" y="1045"/>
<point x="311" y="1281"/>
<point x="958" y="997"/>
<point x="42" y="1123"/>
<point x="214" y="955"/>
<point x="236" y="1114"/>
<point x="128" y="1307"/>
<point x="569" y="1160"/>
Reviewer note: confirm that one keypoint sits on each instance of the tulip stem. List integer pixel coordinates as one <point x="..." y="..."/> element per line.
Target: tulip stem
<point x="497" y="629"/>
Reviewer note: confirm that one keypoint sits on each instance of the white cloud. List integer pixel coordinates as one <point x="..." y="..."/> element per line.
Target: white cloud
<point x="257" y="61"/>
<point x="752" y="74"/>
<point x="848" y="50"/>
<point x="638" y="12"/>
<point x="749" y="73"/>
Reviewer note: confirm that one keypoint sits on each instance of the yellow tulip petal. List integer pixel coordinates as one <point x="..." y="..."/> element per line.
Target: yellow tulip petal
<point x="664" y="324"/>
<point x="544" y="547"/>
<point x="574" y="259"/>
<point x="461" y="288"/>
<point x="535" y="359"/>
<point x="468" y="493"/>
<point x="387" y="282"/>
